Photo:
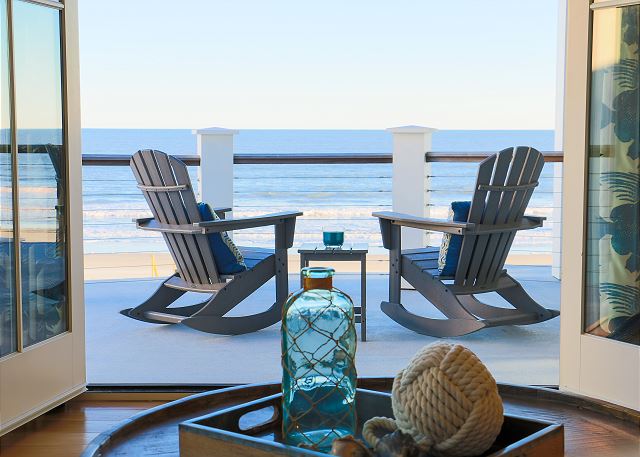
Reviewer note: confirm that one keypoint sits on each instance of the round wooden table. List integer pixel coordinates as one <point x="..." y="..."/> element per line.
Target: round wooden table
<point x="592" y="428"/>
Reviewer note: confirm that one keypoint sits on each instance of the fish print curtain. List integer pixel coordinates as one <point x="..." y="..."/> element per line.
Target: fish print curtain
<point x="613" y="254"/>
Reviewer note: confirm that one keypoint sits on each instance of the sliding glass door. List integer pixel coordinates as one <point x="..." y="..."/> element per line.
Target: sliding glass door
<point x="41" y="317"/>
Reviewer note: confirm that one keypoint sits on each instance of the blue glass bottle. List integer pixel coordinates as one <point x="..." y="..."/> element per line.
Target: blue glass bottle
<point x="318" y="353"/>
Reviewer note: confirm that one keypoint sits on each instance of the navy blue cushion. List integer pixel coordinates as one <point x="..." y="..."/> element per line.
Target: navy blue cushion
<point x="227" y="256"/>
<point x="452" y="244"/>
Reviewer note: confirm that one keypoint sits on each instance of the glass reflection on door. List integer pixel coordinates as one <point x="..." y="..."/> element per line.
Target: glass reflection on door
<point x="612" y="300"/>
<point x="41" y="170"/>
<point x="8" y="326"/>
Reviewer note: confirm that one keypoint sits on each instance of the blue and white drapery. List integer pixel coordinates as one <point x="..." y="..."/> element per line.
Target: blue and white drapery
<point x="613" y="250"/>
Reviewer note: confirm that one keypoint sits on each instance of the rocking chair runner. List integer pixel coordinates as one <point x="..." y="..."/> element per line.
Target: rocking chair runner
<point x="503" y="189"/>
<point x="166" y="186"/>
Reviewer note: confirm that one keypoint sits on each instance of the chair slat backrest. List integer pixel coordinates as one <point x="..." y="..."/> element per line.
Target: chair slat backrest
<point x="166" y="186"/>
<point x="504" y="187"/>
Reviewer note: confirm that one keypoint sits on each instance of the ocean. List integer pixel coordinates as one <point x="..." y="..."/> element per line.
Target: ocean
<point x="327" y="194"/>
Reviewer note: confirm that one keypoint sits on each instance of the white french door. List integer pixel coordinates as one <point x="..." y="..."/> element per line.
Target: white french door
<point x="600" y="329"/>
<point x="42" y="360"/>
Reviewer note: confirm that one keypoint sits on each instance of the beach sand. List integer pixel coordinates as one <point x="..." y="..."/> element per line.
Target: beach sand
<point x="159" y="264"/>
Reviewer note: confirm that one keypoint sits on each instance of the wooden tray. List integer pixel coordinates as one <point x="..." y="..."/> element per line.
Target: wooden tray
<point x="253" y="429"/>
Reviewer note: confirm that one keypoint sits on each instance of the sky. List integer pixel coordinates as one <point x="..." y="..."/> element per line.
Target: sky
<point x="38" y="78"/>
<point x="294" y="64"/>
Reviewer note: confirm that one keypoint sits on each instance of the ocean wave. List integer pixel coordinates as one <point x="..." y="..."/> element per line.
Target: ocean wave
<point x="121" y="212"/>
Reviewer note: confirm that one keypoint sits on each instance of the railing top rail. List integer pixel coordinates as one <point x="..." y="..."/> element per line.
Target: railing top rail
<point x="124" y="159"/>
<point x="314" y="158"/>
<point x="549" y="156"/>
<point x="311" y="158"/>
<point x="251" y="158"/>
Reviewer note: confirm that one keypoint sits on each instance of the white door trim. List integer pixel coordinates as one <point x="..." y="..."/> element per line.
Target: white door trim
<point x="42" y="408"/>
<point x="614" y="4"/>
<point x="589" y="365"/>
<point x="40" y="377"/>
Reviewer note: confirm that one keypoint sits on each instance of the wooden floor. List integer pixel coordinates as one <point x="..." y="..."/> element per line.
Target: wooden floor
<point x="66" y="431"/>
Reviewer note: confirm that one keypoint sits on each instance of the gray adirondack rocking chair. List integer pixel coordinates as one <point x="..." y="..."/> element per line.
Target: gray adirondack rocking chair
<point x="166" y="186"/>
<point x="503" y="189"/>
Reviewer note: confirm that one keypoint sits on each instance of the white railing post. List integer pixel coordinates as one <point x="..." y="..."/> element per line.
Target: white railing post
<point x="410" y="178"/>
<point x="215" y="148"/>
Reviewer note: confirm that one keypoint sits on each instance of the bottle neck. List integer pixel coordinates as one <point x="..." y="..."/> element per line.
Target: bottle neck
<point x="317" y="283"/>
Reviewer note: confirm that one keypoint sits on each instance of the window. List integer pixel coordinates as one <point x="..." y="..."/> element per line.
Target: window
<point x="8" y="342"/>
<point x="41" y="171"/>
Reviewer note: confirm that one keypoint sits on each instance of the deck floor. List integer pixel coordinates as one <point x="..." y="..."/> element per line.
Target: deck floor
<point x="124" y="351"/>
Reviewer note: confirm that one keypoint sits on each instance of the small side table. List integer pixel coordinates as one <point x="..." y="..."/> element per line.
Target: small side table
<point x="348" y="253"/>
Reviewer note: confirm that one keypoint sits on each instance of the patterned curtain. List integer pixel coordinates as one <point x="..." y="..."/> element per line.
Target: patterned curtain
<point x="614" y="185"/>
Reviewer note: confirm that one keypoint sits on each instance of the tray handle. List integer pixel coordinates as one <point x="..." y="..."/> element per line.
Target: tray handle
<point x="250" y="419"/>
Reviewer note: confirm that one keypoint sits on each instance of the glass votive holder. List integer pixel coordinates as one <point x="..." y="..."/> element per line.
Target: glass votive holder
<point x="333" y="236"/>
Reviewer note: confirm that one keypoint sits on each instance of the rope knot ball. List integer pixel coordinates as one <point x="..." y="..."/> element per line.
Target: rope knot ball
<point x="447" y="400"/>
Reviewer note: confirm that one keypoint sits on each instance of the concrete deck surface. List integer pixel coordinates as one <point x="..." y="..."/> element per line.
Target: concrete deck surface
<point x="125" y="351"/>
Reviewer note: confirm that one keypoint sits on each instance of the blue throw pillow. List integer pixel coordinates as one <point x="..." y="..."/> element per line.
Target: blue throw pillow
<point x="228" y="258"/>
<point x="452" y="244"/>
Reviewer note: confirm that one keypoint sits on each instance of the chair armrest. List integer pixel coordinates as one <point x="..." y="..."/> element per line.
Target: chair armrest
<point x="149" y="223"/>
<point x="426" y="223"/>
<point x="532" y="222"/>
<point x="537" y="219"/>
<point x="220" y="211"/>
<point x="527" y="223"/>
<point x="246" y="222"/>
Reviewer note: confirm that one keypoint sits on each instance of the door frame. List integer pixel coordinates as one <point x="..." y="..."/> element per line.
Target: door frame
<point x="589" y="365"/>
<point x="40" y="377"/>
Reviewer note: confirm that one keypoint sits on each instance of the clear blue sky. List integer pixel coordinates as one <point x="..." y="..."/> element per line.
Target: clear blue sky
<point x="463" y="64"/>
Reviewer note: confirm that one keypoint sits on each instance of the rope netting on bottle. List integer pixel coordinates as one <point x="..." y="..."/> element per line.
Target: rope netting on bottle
<point x="319" y="371"/>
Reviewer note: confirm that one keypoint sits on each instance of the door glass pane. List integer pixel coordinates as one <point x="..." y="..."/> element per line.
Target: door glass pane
<point x="41" y="170"/>
<point x="612" y="305"/>
<point x="7" y="280"/>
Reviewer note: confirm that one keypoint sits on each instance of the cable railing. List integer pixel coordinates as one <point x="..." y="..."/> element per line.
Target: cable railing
<point x="312" y="158"/>
<point x="331" y="189"/>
